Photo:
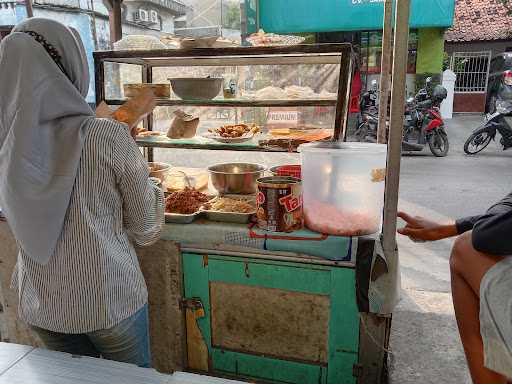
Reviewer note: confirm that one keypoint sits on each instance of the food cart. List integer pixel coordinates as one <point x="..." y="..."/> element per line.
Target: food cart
<point x="232" y="300"/>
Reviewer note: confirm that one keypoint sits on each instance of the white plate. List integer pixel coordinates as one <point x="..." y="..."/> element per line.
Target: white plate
<point x="229" y="140"/>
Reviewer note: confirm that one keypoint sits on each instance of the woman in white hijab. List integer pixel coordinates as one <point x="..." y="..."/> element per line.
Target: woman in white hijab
<point x="76" y="194"/>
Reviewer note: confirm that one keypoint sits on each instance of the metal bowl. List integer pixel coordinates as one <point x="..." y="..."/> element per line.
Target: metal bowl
<point x="159" y="170"/>
<point x="197" y="88"/>
<point x="236" y="178"/>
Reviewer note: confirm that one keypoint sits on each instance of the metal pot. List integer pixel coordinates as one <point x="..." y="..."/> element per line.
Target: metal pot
<point x="236" y="178"/>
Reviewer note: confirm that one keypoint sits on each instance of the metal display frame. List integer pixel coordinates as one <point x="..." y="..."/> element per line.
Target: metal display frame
<point x="340" y="54"/>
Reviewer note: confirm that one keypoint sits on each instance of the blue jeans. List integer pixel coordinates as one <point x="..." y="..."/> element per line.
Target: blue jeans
<point x="127" y="342"/>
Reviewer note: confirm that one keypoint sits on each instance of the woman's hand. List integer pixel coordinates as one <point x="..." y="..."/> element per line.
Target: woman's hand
<point x="420" y="229"/>
<point x="135" y="109"/>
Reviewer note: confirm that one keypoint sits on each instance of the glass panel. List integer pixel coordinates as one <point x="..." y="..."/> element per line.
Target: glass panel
<point x="154" y="24"/>
<point x="118" y="74"/>
<point x="253" y="82"/>
<point x="371" y="52"/>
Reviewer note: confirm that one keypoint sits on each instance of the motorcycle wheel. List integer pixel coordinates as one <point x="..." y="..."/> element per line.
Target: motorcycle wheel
<point x="365" y="133"/>
<point x="438" y="143"/>
<point x="477" y="142"/>
<point x="361" y="132"/>
<point x="491" y="105"/>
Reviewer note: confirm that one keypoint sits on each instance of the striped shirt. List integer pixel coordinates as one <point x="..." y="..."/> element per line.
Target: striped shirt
<point x="93" y="280"/>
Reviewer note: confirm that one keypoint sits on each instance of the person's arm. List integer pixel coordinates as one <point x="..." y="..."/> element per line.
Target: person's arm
<point x="135" y="109"/>
<point x="131" y="112"/>
<point x="143" y="200"/>
<point x="492" y="232"/>
<point x="420" y="229"/>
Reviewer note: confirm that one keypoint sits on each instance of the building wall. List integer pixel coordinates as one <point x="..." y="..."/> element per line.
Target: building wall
<point x="430" y="50"/>
<point x="69" y="13"/>
<point x="167" y="18"/>
<point x="80" y="21"/>
<point x="469" y="102"/>
<point x="494" y="46"/>
<point x="474" y="102"/>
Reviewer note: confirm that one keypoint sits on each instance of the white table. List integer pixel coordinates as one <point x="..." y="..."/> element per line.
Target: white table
<point x="20" y="364"/>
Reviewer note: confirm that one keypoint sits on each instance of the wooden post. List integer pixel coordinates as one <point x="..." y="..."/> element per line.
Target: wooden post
<point x="400" y="55"/>
<point x="385" y="71"/>
<point x="30" y="10"/>
<point x="114" y="19"/>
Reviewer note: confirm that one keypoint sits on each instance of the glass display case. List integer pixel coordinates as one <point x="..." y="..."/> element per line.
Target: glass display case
<point x="286" y="95"/>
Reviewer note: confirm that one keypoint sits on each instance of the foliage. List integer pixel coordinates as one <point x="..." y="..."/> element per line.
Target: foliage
<point x="231" y="18"/>
<point x="446" y="61"/>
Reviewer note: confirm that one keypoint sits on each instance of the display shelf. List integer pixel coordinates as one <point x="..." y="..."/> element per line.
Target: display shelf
<point x="279" y="55"/>
<point x="199" y="142"/>
<point x="238" y="102"/>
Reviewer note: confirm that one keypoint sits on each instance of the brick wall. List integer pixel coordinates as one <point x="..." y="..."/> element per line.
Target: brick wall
<point x="469" y="102"/>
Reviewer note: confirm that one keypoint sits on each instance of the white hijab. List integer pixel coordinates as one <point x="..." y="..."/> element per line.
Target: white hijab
<point x="43" y="124"/>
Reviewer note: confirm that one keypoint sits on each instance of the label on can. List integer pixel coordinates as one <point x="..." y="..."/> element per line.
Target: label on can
<point x="279" y="204"/>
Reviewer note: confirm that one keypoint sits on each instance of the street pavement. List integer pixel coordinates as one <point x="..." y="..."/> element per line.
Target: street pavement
<point x="425" y="345"/>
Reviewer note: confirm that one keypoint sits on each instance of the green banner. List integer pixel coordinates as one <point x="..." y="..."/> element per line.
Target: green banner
<point x="297" y="16"/>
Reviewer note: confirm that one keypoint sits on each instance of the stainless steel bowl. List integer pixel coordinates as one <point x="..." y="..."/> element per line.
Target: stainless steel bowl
<point x="236" y="178"/>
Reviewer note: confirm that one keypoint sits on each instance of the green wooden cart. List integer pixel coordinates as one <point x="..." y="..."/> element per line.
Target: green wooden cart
<point x="272" y="310"/>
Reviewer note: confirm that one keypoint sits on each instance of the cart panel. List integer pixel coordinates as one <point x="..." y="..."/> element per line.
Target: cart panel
<point x="271" y="322"/>
<point x="280" y="322"/>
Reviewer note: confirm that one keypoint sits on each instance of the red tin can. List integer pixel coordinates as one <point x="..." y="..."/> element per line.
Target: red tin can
<point x="279" y="204"/>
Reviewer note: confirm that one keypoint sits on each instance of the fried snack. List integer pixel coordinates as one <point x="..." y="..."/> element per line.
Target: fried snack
<point x="141" y="132"/>
<point x="185" y="202"/>
<point x="234" y="131"/>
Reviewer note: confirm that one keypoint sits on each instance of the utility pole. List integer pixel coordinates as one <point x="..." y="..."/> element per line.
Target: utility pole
<point x="28" y="6"/>
<point x="94" y="32"/>
<point x="400" y="56"/>
<point x="114" y="18"/>
<point x="221" y="17"/>
<point x="385" y="72"/>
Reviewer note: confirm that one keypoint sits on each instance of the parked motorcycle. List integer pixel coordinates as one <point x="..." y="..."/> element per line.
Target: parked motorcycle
<point x="423" y="122"/>
<point x="367" y="124"/>
<point x="500" y="121"/>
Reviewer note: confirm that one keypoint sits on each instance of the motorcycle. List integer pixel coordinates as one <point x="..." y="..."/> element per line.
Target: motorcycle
<point x="423" y="122"/>
<point x="500" y="121"/>
<point x="366" y="130"/>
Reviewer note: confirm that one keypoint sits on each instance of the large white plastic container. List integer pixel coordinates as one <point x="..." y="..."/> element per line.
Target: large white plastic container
<point x="343" y="186"/>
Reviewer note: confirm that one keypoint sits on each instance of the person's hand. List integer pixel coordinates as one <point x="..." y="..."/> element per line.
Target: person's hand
<point x="420" y="229"/>
<point x="135" y="109"/>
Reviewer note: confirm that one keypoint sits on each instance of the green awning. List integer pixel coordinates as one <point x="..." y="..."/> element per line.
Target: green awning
<point x="298" y="16"/>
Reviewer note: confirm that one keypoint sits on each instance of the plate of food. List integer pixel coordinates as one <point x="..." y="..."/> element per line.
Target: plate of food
<point x="264" y="39"/>
<point x="231" y="209"/>
<point x="236" y="133"/>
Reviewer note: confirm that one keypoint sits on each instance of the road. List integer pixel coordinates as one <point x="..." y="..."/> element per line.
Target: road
<point x="424" y="341"/>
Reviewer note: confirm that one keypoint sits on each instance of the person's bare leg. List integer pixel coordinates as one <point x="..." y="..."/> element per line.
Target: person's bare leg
<point x="468" y="267"/>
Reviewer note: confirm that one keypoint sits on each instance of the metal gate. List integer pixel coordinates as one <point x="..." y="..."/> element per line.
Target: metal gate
<point x="472" y="70"/>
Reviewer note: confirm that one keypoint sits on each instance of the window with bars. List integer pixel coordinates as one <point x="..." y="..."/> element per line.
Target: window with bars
<point x="472" y="70"/>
